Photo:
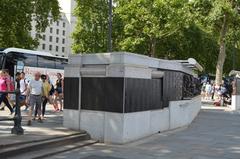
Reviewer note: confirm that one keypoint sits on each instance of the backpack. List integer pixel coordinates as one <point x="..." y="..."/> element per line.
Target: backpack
<point x="12" y="87"/>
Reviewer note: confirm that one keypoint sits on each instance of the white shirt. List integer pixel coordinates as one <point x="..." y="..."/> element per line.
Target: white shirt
<point x="23" y="86"/>
<point x="208" y="88"/>
<point x="35" y="87"/>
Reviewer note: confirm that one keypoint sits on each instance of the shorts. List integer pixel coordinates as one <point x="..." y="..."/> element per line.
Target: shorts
<point x="58" y="90"/>
<point x="35" y="100"/>
<point x="22" y="97"/>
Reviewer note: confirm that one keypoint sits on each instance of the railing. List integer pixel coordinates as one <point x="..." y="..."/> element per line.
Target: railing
<point x="17" y="129"/>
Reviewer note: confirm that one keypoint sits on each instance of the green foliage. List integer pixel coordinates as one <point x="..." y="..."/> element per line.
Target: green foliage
<point x="16" y="17"/>
<point x="145" y="22"/>
<point x="91" y="30"/>
<point x="172" y="29"/>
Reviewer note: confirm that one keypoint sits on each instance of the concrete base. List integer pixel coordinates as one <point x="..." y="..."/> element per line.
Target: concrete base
<point x="121" y="128"/>
<point x="125" y="127"/>
<point x="235" y="102"/>
<point x="71" y="119"/>
<point x="182" y="113"/>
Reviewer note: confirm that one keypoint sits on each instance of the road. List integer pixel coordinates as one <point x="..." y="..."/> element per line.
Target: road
<point x="215" y="134"/>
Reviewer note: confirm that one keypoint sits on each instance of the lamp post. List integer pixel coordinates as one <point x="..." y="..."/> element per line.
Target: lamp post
<point x="110" y="27"/>
<point x="17" y="129"/>
<point x="234" y="53"/>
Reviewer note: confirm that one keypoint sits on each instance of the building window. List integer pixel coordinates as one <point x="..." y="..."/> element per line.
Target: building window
<point x="57" y="31"/>
<point x="44" y="37"/>
<point x="56" y="55"/>
<point x="63" y="49"/>
<point x="64" y="24"/>
<point x="51" y="29"/>
<point x="62" y="55"/>
<point x="43" y="46"/>
<point x="50" y="47"/>
<point x="37" y="35"/>
<point x="56" y="48"/>
<point x="63" y="32"/>
<point x="63" y="41"/>
<point x="57" y="23"/>
<point x="51" y="21"/>
<point x="57" y="39"/>
<point x="50" y="38"/>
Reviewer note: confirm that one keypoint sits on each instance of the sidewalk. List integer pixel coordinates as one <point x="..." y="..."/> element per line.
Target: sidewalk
<point x="51" y="127"/>
<point x="213" y="135"/>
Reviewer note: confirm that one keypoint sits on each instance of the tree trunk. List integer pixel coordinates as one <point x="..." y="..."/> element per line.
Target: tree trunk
<point x="222" y="52"/>
<point x="153" y="47"/>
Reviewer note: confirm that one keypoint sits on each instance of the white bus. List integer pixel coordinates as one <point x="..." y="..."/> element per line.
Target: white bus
<point x="29" y="61"/>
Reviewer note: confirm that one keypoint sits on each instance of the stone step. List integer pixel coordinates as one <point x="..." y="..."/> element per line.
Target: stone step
<point x="13" y="150"/>
<point x="3" y="145"/>
<point x="48" y="153"/>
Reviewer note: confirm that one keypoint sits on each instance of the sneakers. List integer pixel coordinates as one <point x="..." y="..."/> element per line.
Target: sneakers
<point x="40" y="120"/>
<point x="29" y="123"/>
<point x="26" y="108"/>
<point x="12" y="112"/>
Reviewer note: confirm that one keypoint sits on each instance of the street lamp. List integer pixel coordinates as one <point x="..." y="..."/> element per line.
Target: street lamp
<point x="110" y="27"/>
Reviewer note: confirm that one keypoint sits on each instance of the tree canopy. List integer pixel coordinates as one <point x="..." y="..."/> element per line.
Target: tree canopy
<point x="171" y="29"/>
<point x="16" y="21"/>
<point x="91" y="29"/>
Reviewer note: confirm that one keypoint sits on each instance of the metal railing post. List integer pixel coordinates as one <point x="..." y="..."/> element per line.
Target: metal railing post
<point x="17" y="129"/>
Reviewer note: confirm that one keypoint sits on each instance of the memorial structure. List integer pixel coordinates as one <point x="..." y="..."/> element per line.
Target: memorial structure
<point x="121" y="97"/>
<point x="235" y="102"/>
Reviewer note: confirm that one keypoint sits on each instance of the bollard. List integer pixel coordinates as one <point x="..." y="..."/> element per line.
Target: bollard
<point x="17" y="129"/>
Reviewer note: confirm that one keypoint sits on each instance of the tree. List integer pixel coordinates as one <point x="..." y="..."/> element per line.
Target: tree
<point x="171" y="29"/>
<point x="16" y="21"/>
<point x="220" y="17"/>
<point x="146" y="22"/>
<point x="90" y="35"/>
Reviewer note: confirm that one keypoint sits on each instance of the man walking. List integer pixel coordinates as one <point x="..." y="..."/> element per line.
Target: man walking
<point x="35" y="90"/>
<point x="45" y="95"/>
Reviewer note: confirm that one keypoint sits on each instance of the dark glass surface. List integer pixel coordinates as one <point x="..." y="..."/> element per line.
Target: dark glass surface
<point x="46" y="62"/>
<point x="71" y="93"/>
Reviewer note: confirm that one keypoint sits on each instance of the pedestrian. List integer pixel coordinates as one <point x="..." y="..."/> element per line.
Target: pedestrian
<point x="22" y="98"/>
<point x="208" y="90"/>
<point x="45" y="95"/>
<point x="51" y="92"/>
<point x="58" y="92"/>
<point x="203" y="91"/>
<point x="23" y="89"/>
<point x="213" y="90"/>
<point x="4" y="87"/>
<point x="35" y="91"/>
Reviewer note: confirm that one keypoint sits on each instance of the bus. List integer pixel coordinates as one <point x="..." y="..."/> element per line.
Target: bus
<point x="30" y="62"/>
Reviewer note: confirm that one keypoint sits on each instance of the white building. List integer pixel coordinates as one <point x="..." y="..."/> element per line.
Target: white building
<point x="57" y="37"/>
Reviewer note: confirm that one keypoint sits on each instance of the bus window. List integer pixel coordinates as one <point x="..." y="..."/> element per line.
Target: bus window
<point x="60" y="63"/>
<point x="46" y="62"/>
<point x="1" y="60"/>
<point x="31" y="60"/>
<point x="10" y="63"/>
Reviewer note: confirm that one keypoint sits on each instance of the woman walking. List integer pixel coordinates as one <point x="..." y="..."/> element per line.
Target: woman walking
<point x="4" y="87"/>
<point x="58" y="92"/>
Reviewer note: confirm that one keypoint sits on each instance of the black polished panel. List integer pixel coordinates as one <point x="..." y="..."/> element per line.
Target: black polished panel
<point x="143" y="94"/>
<point x="106" y="94"/>
<point x="172" y="86"/>
<point x="71" y="93"/>
<point x="102" y="94"/>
